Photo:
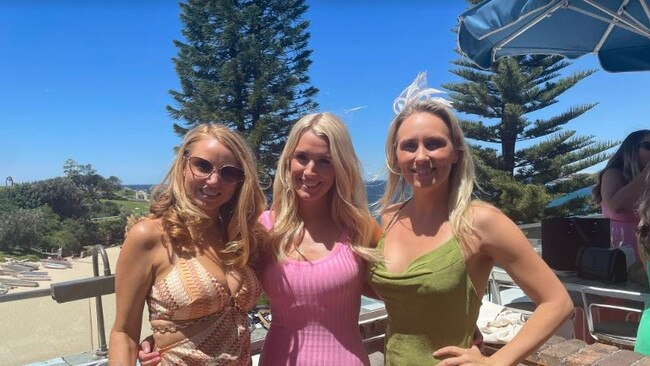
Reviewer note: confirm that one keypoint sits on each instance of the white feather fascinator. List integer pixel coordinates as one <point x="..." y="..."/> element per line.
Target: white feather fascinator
<point x="418" y="90"/>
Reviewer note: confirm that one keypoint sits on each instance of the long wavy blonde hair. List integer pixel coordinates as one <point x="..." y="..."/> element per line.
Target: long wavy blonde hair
<point x="183" y="221"/>
<point x="461" y="178"/>
<point x="349" y="206"/>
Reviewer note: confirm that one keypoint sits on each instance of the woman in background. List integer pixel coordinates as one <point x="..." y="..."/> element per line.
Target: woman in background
<point x="620" y="185"/>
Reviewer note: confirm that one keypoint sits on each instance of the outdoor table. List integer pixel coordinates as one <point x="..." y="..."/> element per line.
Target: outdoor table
<point x="580" y="289"/>
<point x="626" y="290"/>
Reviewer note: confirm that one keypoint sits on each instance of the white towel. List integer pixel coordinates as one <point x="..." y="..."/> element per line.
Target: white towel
<point x="499" y="324"/>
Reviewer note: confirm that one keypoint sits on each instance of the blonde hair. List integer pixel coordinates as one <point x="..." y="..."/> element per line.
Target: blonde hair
<point x="183" y="220"/>
<point x="461" y="177"/>
<point x="349" y="206"/>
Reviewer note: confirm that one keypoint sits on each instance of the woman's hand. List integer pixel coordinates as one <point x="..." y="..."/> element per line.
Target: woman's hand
<point x="146" y="356"/>
<point x="461" y="356"/>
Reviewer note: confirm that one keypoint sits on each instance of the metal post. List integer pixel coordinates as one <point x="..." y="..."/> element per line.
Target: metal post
<point x="99" y="249"/>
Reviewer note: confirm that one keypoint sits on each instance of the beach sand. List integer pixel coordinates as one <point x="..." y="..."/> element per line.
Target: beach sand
<point x="41" y="329"/>
<point x="81" y="268"/>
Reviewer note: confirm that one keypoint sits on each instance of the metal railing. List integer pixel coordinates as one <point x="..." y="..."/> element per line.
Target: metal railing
<point x="78" y="290"/>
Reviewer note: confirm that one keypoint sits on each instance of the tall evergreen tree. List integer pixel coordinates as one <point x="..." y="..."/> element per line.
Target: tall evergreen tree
<point x="522" y="180"/>
<point x="244" y="64"/>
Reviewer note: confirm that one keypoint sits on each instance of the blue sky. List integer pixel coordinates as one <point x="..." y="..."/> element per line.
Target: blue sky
<point x="89" y="80"/>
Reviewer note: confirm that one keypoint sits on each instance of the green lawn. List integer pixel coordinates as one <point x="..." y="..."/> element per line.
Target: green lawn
<point x="135" y="207"/>
<point x="20" y="253"/>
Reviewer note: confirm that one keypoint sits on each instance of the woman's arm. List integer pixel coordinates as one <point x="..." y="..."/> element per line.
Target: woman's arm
<point x="133" y="279"/>
<point x="507" y="245"/>
<point x="618" y="195"/>
<point x="500" y="240"/>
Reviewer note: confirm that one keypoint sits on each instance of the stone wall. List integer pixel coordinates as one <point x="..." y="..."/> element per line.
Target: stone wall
<point x="558" y="351"/>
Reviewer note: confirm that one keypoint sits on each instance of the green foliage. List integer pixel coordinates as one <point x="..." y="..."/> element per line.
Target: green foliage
<point x="19" y="254"/>
<point x="126" y="192"/>
<point x="61" y="194"/>
<point x="578" y="206"/>
<point x="93" y="185"/>
<point x="53" y="213"/>
<point x="263" y="300"/>
<point x="26" y="228"/>
<point x="112" y="232"/>
<point x="244" y="64"/>
<point x="73" y="234"/>
<point x="520" y="180"/>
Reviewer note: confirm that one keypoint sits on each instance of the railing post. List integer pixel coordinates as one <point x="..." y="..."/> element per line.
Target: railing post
<point x="99" y="249"/>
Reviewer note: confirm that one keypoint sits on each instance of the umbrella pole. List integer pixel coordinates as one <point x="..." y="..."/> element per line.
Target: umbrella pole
<point x="539" y="18"/>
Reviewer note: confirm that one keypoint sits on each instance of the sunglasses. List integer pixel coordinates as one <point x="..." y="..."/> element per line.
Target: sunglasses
<point x="645" y="145"/>
<point x="202" y="168"/>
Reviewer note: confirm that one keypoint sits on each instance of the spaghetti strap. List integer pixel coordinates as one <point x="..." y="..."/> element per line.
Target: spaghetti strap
<point x="394" y="218"/>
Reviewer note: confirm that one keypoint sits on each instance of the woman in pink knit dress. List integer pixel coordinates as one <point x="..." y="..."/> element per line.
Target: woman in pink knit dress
<point x="320" y="234"/>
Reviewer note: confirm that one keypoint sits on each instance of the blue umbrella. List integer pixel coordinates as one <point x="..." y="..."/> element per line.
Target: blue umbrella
<point x="618" y="31"/>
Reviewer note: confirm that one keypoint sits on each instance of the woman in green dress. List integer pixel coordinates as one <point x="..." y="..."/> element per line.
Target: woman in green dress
<point x="439" y="246"/>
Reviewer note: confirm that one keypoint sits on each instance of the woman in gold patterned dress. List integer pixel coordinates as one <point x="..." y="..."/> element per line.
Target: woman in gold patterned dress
<point x="189" y="260"/>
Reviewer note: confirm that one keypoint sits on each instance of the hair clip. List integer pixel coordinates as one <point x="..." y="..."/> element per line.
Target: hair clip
<point x="418" y="90"/>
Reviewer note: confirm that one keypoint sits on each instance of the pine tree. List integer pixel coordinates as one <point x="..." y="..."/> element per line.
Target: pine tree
<point x="244" y="64"/>
<point x="522" y="180"/>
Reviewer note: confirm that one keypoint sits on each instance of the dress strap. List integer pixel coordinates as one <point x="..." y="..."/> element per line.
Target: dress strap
<point x="394" y="218"/>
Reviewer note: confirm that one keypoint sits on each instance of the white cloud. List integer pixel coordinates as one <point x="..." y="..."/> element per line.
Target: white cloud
<point x="354" y="109"/>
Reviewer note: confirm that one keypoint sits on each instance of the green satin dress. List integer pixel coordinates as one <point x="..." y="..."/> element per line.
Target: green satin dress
<point x="432" y="304"/>
<point x="643" y="333"/>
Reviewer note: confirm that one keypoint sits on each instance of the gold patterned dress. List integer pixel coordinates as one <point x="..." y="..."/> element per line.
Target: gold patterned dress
<point x="190" y="294"/>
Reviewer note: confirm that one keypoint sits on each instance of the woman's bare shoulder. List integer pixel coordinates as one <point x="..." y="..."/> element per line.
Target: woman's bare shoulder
<point x="613" y="174"/>
<point x="483" y="212"/>
<point x="489" y="222"/>
<point x="146" y="234"/>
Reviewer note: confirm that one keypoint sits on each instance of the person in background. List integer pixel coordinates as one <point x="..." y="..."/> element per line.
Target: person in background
<point x="643" y="238"/>
<point x="189" y="259"/>
<point x="620" y="185"/>
<point x="439" y="246"/>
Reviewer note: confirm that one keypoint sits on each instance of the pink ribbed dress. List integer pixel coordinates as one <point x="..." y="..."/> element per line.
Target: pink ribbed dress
<point x="626" y="221"/>
<point x="315" y="307"/>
